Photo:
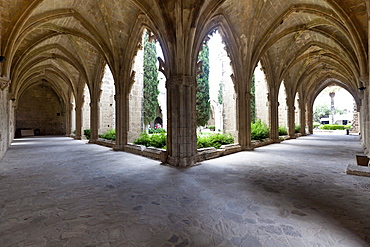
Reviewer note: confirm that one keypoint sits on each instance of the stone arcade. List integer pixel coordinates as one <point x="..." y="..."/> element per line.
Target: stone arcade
<point x="63" y="46"/>
<point x="57" y="191"/>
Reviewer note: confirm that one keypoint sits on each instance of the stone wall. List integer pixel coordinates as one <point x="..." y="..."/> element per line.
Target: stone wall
<point x="40" y="108"/>
<point x="4" y="123"/>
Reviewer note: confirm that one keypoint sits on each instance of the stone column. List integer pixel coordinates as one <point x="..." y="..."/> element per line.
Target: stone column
<point x="291" y="117"/>
<point x="181" y="136"/>
<point x="310" y="118"/>
<point x="244" y="119"/>
<point x="79" y="105"/>
<point x="302" y="116"/>
<point x="68" y="112"/>
<point x="94" y="120"/>
<point x="122" y="120"/>
<point x="274" y="116"/>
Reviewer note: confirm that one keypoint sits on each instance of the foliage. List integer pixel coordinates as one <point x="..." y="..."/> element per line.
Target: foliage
<point x="297" y="128"/>
<point x="315" y="125"/>
<point x="203" y="105"/>
<point x="323" y="111"/>
<point x="348" y="126"/>
<point x="214" y="140"/>
<point x="283" y="131"/>
<point x="212" y="127"/>
<point x="87" y="133"/>
<point x="320" y="112"/>
<point x="253" y="99"/>
<point x="109" y="135"/>
<point x="220" y="96"/>
<point x="156" y="131"/>
<point x="259" y="130"/>
<point x="155" y="140"/>
<point x="333" y="127"/>
<point x="150" y="89"/>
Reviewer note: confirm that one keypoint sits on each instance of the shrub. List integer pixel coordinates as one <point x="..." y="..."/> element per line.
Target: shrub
<point x="297" y="129"/>
<point x="332" y="127"/>
<point x="155" y="140"/>
<point x="348" y="126"/>
<point x="282" y="131"/>
<point x="109" y="135"/>
<point x="214" y="140"/>
<point x="259" y="130"/>
<point x="212" y="127"/>
<point x="315" y="125"/>
<point x="156" y="131"/>
<point x="87" y="133"/>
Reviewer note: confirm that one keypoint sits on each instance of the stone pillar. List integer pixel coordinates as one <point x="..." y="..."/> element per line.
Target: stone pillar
<point x="94" y="120"/>
<point x="274" y="116"/>
<point x="181" y="135"/>
<point x="291" y="117"/>
<point x="122" y="120"/>
<point x="68" y="112"/>
<point x="302" y="116"/>
<point x="310" y="118"/>
<point x="79" y="106"/>
<point x="244" y="119"/>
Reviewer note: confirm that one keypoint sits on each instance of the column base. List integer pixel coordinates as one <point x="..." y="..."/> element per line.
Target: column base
<point x="181" y="162"/>
<point x="118" y="148"/>
<point x="92" y="141"/>
<point x="77" y="137"/>
<point x="247" y="148"/>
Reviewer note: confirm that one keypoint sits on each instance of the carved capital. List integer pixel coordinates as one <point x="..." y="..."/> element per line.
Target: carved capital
<point x="4" y="82"/>
<point x="181" y="81"/>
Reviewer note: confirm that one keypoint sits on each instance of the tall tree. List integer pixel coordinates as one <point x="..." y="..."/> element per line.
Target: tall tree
<point x="150" y="90"/>
<point x="203" y="101"/>
<point x="253" y="99"/>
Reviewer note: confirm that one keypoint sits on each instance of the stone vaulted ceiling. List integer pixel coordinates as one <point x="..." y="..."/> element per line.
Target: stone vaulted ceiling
<point x="308" y="44"/>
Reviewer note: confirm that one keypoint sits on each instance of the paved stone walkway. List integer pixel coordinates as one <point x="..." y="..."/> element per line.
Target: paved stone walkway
<point x="57" y="191"/>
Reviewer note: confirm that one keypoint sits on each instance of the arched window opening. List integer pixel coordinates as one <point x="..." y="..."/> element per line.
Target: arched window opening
<point x="259" y="104"/>
<point x="86" y="113"/>
<point x="261" y="95"/>
<point x="107" y="103"/>
<point x="335" y="108"/>
<point x="283" y="110"/>
<point x="73" y="115"/>
<point x="147" y="99"/>
<point x="222" y="97"/>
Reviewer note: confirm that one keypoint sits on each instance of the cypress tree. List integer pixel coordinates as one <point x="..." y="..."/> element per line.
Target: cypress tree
<point x="202" y="104"/>
<point x="150" y="90"/>
<point x="253" y="99"/>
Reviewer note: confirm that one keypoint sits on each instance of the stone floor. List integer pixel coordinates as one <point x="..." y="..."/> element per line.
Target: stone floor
<point x="57" y="191"/>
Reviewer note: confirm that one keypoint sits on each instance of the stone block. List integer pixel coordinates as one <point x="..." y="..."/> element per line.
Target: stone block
<point x="231" y="148"/>
<point x="209" y="153"/>
<point x="363" y="171"/>
<point x="135" y="149"/>
<point x="156" y="153"/>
